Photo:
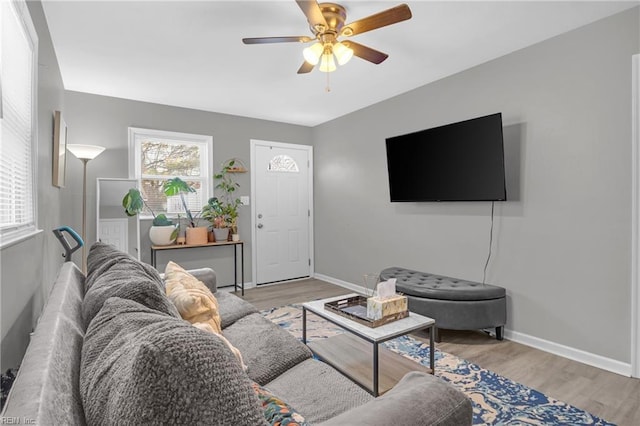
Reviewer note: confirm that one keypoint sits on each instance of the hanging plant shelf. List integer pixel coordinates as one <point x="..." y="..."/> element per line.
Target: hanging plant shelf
<point x="238" y="166"/>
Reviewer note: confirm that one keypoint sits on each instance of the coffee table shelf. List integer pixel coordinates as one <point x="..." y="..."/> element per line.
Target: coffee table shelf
<point x="375" y="336"/>
<point x="353" y="357"/>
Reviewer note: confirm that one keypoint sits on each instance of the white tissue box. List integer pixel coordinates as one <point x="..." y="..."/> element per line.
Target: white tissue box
<point x="378" y="308"/>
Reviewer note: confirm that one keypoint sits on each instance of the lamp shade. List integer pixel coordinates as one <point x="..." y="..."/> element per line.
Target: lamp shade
<point x="327" y="63"/>
<point x="312" y="53"/>
<point x="342" y="52"/>
<point x="85" y="152"/>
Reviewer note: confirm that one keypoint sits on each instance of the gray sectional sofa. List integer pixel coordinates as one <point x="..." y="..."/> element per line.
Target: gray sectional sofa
<point x="112" y="350"/>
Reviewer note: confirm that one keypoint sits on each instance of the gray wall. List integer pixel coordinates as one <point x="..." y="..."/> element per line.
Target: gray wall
<point x="29" y="268"/>
<point x="562" y="241"/>
<point x="101" y="120"/>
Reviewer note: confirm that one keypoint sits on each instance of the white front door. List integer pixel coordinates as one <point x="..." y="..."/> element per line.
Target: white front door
<point x="281" y="211"/>
<point x="115" y="232"/>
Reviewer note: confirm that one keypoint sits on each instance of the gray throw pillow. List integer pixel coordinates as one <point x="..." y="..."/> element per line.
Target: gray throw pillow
<point x="112" y="273"/>
<point x="143" y="367"/>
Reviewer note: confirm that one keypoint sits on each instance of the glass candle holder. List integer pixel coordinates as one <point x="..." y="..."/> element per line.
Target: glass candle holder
<point x="370" y="283"/>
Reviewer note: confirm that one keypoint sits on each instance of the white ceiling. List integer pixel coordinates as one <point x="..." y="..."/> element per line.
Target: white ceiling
<point x="190" y="54"/>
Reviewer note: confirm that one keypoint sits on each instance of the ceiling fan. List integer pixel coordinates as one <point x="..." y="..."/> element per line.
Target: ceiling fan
<point x="327" y="23"/>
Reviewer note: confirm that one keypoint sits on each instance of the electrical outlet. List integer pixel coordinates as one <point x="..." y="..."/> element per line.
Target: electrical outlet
<point x="244" y="200"/>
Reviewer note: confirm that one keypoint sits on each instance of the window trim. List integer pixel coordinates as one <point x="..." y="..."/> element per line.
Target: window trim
<point x="135" y="172"/>
<point x="19" y="233"/>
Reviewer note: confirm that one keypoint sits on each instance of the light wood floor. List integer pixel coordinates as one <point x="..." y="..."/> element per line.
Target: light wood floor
<point x="608" y="395"/>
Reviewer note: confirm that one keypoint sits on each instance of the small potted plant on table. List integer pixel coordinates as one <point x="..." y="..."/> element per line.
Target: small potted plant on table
<point x="215" y="212"/>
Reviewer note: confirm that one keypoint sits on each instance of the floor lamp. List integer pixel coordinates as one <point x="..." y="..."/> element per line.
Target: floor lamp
<point x="84" y="153"/>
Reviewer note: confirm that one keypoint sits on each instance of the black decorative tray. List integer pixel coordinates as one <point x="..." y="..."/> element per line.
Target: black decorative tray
<point x="355" y="308"/>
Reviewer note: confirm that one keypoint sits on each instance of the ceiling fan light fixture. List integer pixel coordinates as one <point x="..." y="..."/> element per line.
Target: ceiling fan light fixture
<point x="327" y="63"/>
<point x="327" y="25"/>
<point x="342" y="52"/>
<point x="312" y="53"/>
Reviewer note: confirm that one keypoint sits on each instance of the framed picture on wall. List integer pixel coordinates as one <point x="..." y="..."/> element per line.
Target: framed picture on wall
<point x="59" y="150"/>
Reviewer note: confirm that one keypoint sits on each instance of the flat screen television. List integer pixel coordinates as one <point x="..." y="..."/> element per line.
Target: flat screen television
<point x="456" y="162"/>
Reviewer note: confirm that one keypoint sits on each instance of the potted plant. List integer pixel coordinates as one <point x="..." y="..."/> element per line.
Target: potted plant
<point x="163" y="232"/>
<point x="233" y="222"/>
<point x="230" y="203"/>
<point x="182" y="238"/>
<point x="215" y="212"/>
<point x="194" y="234"/>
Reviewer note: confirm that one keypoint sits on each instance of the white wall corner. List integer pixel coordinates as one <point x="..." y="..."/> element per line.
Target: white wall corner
<point x="635" y="218"/>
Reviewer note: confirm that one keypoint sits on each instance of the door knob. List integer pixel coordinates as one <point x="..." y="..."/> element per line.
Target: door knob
<point x="260" y="226"/>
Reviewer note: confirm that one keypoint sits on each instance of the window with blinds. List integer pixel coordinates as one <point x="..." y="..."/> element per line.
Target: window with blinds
<point x="17" y="122"/>
<point x="159" y="155"/>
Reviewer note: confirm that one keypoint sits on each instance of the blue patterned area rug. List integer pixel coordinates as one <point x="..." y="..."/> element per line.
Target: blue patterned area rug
<point x="496" y="399"/>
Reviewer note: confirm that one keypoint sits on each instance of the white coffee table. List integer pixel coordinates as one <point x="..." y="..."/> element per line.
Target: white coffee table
<point x="375" y="335"/>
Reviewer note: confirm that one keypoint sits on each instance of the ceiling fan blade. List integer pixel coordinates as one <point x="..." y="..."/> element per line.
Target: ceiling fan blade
<point x="366" y="53"/>
<point x="286" y="39"/>
<point x="305" y="68"/>
<point x="388" y="17"/>
<point x="313" y="13"/>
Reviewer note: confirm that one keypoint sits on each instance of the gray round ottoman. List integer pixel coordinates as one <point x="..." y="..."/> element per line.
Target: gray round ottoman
<point x="455" y="304"/>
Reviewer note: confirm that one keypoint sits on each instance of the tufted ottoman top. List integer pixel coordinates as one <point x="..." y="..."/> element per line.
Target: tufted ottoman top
<point x="422" y="284"/>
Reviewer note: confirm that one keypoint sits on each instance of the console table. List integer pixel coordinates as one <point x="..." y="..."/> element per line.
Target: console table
<point x="235" y="244"/>
<point x="337" y="355"/>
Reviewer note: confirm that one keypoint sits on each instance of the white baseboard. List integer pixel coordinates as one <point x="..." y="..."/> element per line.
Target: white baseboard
<point x="353" y="287"/>
<point x="574" y="354"/>
<point x="229" y="288"/>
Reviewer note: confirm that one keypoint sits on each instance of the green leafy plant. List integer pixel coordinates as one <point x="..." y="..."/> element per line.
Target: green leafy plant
<point x="177" y="186"/>
<point x="230" y="203"/>
<point x="232" y="217"/>
<point x="214" y="212"/>
<point x="133" y="203"/>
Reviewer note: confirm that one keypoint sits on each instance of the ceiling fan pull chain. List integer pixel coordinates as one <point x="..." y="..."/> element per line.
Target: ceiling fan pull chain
<point x="328" y="88"/>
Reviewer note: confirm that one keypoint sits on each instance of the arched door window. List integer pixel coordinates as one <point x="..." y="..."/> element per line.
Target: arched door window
<point x="283" y="163"/>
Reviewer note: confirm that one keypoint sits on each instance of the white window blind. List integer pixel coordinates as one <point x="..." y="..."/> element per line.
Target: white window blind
<point x="18" y="59"/>
<point x="160" y="155"/>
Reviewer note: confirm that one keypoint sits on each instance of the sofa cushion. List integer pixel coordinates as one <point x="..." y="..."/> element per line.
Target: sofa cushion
<point x="113" y="273"/>
<point x="317" y="391"/>
<point x="140" y="366"/>
<point x="232" y="308"/>
<point x="267" y="349"/>
<point x="439" y="404"/>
